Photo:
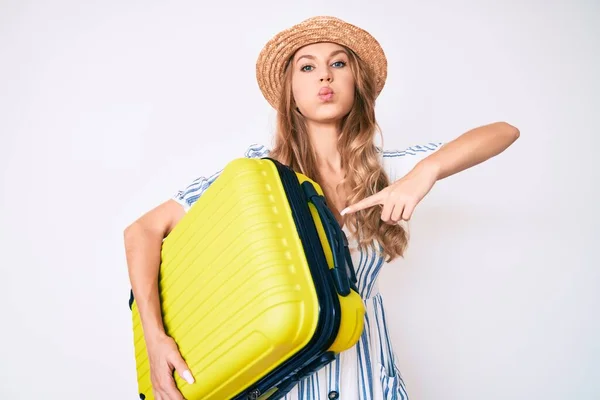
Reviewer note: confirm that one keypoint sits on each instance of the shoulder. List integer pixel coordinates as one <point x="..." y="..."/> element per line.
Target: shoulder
<point x="398" y="162"/>
<point x="191" y="192"/>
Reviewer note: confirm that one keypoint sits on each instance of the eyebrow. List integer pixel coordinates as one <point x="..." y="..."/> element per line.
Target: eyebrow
<point x="312" y="57"/>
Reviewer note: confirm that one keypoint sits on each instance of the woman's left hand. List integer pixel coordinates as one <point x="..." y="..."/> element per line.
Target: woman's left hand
<point x="401" y="197"/>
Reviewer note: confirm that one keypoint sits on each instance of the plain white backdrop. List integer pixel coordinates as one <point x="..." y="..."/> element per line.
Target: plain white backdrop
<point x="107" y="108"/>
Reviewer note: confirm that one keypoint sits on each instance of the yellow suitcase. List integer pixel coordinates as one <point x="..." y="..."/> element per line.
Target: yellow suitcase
<point x="257" y="286"/>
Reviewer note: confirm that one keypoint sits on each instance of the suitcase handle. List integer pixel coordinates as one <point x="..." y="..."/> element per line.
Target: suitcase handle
<point x="344" y="276"/>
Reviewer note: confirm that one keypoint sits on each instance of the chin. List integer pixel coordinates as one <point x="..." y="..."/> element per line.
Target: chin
<point x="329" y="113"/>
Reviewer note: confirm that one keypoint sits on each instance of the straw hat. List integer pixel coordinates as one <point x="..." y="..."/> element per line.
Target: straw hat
<point x="274" y="56"/>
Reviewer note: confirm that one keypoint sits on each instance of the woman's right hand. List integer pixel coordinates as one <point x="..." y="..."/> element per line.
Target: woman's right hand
<point x="164" y="357"/>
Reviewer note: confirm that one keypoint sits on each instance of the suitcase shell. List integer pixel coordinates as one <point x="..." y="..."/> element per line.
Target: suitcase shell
<point x="256" y="286"/>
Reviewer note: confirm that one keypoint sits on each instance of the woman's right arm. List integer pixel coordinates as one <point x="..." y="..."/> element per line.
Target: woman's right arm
<point x="143" y="243"/>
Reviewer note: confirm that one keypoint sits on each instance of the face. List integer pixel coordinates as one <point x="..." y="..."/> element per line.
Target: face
<point x="322" y="82"/>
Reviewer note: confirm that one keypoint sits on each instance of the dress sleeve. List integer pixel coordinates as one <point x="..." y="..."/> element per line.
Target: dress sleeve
<point x="190" y="194"/>
<point x="398" y="163"/>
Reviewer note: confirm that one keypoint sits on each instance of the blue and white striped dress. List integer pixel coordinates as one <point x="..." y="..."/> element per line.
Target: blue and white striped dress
<point x="369" y="370"/>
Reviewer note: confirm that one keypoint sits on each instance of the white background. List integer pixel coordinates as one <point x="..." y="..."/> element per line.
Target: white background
<point x="107" y="108"/>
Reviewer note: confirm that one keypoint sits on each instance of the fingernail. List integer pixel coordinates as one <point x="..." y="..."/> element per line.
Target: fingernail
<point x="344" y="211"/>
<point x="187" y="375"/>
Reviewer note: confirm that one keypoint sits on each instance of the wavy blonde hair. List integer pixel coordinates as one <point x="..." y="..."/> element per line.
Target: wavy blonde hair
<point x="360" y="158"/>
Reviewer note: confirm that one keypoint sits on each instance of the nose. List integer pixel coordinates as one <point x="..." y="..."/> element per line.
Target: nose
<point x="326" y="76"/>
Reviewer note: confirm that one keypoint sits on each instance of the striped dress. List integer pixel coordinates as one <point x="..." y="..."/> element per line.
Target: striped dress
<point x="369" y="370"/>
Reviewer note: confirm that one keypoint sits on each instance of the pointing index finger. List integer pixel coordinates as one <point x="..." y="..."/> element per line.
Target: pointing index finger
<point x="364" y="203"/>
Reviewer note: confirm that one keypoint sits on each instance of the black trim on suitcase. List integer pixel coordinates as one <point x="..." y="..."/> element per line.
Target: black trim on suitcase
<point x="314" y="356"/>
<point x="337" y="241"/>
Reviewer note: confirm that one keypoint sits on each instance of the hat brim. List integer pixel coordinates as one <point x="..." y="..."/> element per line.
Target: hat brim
<point x="272" y="59"/>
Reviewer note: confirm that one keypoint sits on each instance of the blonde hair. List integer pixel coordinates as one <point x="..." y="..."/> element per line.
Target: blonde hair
<point x="360" y="158"/>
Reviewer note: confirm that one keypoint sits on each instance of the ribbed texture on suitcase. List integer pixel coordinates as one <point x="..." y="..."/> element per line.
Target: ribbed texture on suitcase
<point x="236" y="292"/>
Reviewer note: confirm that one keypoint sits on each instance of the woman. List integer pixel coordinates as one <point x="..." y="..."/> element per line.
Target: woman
<point x="323" y="76"/>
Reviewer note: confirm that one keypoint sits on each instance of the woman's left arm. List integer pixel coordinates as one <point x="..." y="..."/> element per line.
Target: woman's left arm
<point x="469" y="149"/>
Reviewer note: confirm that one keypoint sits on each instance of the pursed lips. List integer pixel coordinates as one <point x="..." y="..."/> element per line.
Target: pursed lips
<point x="326" y="93"/>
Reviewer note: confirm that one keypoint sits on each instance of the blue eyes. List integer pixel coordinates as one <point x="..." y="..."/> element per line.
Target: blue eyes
<point x="337" y="64"/>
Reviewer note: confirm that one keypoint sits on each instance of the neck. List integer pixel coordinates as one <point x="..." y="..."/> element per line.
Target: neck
<point x="324" y="139"/>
